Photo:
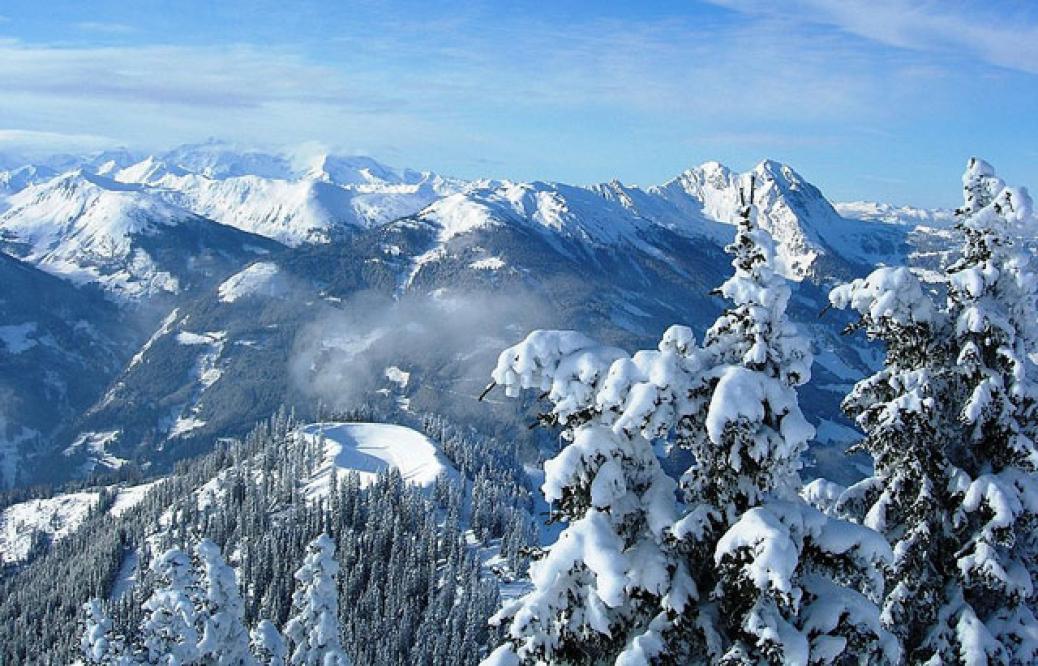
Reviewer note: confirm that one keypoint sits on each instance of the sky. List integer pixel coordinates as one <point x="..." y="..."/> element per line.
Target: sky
<point x="881" y="99"/>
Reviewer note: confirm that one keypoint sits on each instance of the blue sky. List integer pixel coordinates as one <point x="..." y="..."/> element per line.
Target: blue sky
<point x="880" y="100"/>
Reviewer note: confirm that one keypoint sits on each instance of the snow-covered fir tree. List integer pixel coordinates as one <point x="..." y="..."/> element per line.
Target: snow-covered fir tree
<point x="168" y="634"/>
<point x="600" y="587"/>
<point x="777" y="580"/>
<point x="100" y="645"/>
<point x="990" y="612"/>
<point x="268" y="645"/>
<point x="909" y="425"/>
<point x="313" y="629"/>
<point x="950" y="422"/>
<point x="224" y="640"/>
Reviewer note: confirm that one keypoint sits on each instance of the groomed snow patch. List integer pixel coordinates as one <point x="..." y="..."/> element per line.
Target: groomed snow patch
<point x="372" y="448"/>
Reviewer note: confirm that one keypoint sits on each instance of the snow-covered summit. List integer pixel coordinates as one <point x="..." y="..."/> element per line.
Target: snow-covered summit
<point x="371" y="448"/>
<point x="794" y="211"/>
<point x="218" y="160"/>
<point x="566" y="211"/>
<point x="90" y="228"/>
<point x="18" y="178"/>
<point x="150" y="170"/>
<point x="78" y="223"/>
<point x="289" y="199"/>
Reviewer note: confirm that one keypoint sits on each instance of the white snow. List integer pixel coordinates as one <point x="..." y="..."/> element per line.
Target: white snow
<point x="887" y="293"/>
<point x="184" y="425"/>
<point x="96" y="445"/>
<point x="259" y="279"/>
<point x="163" y="329"/>
<point x="127" y="576"/>
<point x="207" y="371"/>
<point x="130" y="497"/>
<point x="80" y="226"/>
<point x="16" y="337"/>
<point x="56" y="518"/>
<point x="371" y="448"/>
<point x="488" y="264"/>
<point x="873" y="211"/>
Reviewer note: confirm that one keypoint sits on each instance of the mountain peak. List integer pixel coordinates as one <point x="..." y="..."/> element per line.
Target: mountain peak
<point x="350" y="170"/>
<point x="149" y="170"/>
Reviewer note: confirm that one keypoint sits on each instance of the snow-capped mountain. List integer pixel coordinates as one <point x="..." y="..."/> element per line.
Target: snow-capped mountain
<point x="813" y="240"/>
<point x="89" y="228"/>
<point x="191" y="236"/>
<point x="874" y="211"/>
<point x="18" y="178"/>
<point x="311" y="200"/>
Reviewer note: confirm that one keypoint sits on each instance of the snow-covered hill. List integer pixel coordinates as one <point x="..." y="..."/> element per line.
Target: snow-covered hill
<point x="370" y="449"/>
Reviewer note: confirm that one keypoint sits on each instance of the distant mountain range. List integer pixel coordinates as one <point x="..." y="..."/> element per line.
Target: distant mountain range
<point x="157" y="303"/>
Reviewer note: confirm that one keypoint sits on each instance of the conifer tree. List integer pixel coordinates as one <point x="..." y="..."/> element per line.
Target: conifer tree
<point x="268" y="645"/>
<point x="909" y="426"/>
<point x="990" y="611"/>
<point x="751" y="573"/>
<point x="313" y="629"/>
<point x="168" y="632"/>
<point x="777" y="580"/>
<point x="950" y="422"/>
<point x="100" y="645"/>
<point x="600" y="586"/>
<point x="224" y="639"/>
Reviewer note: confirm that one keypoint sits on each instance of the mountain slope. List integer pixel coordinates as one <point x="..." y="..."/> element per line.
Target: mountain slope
<point x="88" y="228"/>
<point x="59" y="346"/>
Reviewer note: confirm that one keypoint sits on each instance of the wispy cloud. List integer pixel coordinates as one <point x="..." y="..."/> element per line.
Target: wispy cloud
<point x="571" y="92"/>
<point x="30" y="141"/>
<point x="232" y="76"/>
<point x="441" y="83"/>
<point x="992" y="34"/>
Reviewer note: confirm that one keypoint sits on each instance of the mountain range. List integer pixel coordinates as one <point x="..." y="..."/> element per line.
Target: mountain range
<point x="153" y="305"/>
